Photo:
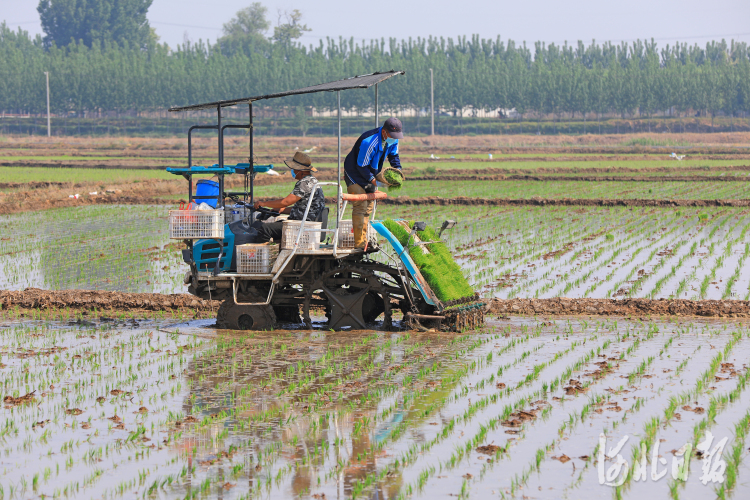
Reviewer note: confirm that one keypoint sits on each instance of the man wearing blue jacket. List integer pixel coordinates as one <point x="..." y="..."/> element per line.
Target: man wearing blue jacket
<point x="363" y="164"/>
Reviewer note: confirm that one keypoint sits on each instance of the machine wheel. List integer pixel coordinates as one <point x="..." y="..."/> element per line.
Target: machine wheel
<point x="236" y="317"/>
<point x="287" y="314"/>
<point x="372" y="307"/>
<point x="355" y="296"/>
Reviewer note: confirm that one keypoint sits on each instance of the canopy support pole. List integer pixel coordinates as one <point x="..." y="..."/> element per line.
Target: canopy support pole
<point x="377" y="109"/>
<point x="338" y="160"/>
<point x="220" y="199"/>
<point x="221" y="137"/>
<point x="251" y="162"/>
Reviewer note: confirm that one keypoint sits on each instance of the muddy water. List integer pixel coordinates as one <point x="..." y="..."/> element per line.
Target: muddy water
<point x="370" y="414"/>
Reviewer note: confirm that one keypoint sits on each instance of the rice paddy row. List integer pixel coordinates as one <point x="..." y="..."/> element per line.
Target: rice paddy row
<point x="506" y="252"/>
<point x="107" y="410"/>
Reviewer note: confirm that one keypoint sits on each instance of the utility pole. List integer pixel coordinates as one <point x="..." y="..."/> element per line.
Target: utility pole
<point x="49" y="132"/>
<point x="432" y="104"/>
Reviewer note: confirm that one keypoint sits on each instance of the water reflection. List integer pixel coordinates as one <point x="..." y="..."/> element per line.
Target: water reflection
<point x="313" y="412"/>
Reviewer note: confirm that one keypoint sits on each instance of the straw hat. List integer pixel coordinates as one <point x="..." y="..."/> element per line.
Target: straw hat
<point x="300" y="161"/>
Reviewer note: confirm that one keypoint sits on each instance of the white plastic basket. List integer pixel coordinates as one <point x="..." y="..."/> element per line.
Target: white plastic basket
<point x="254" y="259"/>
<point x="196" y="224"/>
<point x="309" y="241"/>
<point x="346" y="234"/>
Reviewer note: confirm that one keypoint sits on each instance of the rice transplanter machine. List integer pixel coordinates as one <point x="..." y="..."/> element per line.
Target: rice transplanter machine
<point x="316" y="265"/>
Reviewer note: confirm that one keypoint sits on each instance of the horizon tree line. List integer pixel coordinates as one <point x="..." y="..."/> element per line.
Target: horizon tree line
<point x="471" y="73"/>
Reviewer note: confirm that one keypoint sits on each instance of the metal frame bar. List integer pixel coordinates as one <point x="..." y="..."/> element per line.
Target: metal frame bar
<point x="302" y="230"/>
<point x="251" y="160"/>
<point x="338" y="163"/>
<point x="190" y="157"/>
<point x="377" y="108"/>
<point x="306" y="90"/>
<point x="234" y="295"/>
<point x="190" y="139"/>
<point x="221" y="136"/>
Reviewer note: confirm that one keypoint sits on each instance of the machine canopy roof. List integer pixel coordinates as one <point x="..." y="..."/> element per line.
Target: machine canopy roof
<point x="356" y="82"/>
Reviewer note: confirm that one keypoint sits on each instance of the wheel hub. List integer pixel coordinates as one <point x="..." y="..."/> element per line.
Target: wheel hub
<point x="355" y="297"/>
<point x="233" y="316"/>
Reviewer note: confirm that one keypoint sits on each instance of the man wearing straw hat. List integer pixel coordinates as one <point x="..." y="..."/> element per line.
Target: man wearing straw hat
<point x="363" y="166"/>
<point x="295" y="203"/>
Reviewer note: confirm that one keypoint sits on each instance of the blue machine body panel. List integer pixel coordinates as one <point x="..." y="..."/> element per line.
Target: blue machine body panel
<point x="243" y="168"/>
<point x="197" y="169"/>
<point x="205" y="252"/>
<point x="240" y="168"/>
<point x="413" y="270"/>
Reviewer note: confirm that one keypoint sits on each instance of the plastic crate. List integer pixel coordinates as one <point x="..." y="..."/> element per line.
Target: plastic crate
<point x="309" y="241"/>
<point x="254" y="259"/>
<point x="196" y="224"/>
<point x="346" y="234"/>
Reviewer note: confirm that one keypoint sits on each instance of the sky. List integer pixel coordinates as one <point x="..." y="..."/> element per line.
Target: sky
<point x="692" y="21"/>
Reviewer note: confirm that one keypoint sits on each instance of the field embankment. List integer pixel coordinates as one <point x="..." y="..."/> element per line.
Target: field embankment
<point x="105" y="303"/>
<point x="33" y="300"/>
<point x="562" y="306"/>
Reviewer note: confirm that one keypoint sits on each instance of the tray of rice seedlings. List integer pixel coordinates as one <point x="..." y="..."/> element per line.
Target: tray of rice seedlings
<point x="393" y="178"/>
<point x="444" y="276"/>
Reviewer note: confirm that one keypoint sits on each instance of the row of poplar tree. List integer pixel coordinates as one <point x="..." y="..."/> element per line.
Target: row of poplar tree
<point x="470" y="73"/>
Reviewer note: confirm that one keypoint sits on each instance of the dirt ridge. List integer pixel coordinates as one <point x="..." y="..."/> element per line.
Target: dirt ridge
<point x="144" y="303"/>
<point x="566" y="202"/>
<point x="136" y="199"/>
<point x="88" y="300"/>
<point x="621" y="307"/>
<point x="34" y="185"/>
<point x="582" y="178"/>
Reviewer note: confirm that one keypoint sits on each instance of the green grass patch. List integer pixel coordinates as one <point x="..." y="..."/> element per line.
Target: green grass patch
<point x="65" y="174"/>
<point x="82" y="158"/>
<point x="692" y="162"/>
<point x="444" y="276"/>
<point x="648" y="141"/>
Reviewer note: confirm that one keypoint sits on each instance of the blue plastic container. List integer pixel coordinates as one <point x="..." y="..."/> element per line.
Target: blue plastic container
<point x="206" y="191"/>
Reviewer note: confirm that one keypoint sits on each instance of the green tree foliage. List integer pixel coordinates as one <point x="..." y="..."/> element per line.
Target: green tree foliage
<point x="246" y="30"/>
<point x="95" y="21"/>
<point x="285" y="33"/>
<point x="470" y="74"/>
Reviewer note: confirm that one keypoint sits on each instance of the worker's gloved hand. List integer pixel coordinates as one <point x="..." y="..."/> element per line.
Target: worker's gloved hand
<point x="370" y="188"/>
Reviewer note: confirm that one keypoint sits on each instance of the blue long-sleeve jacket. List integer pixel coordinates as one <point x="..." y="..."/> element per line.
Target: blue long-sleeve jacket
<point x="365" y="160"/>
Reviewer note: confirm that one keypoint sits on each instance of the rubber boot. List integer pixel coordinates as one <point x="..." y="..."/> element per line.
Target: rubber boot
<point x="358" y="225"/>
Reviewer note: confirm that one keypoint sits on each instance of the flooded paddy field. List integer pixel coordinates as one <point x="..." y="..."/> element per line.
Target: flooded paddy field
<point x="119" y="248"/>
<point x="582" y="384"/>
<point x="104" y="408"/>
<point x="542" y="252"/>
<point x="506" y="252"/>
<point x="522" y="189"/>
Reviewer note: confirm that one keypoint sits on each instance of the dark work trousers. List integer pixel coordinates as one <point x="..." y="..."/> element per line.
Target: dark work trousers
<point x="266" y="231"/>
